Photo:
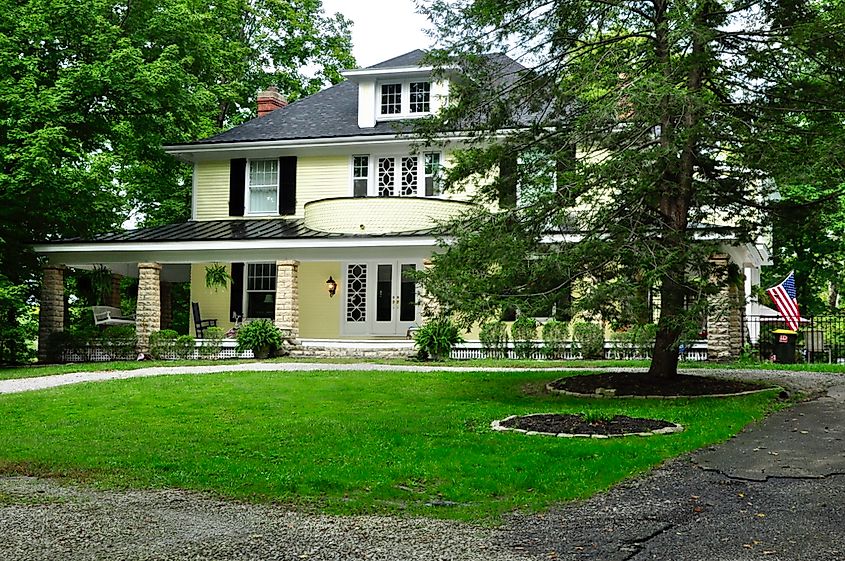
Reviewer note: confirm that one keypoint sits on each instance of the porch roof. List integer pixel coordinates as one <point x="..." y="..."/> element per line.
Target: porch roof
<point x="230" y="230"/>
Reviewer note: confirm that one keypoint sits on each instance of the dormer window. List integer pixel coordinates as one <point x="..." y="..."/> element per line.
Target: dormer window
<point x="420" y="97"/>
<point x="391" y="99"/>
<point x="404" y="99"/>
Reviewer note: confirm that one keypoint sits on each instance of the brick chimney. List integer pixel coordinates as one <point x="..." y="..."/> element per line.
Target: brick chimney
<point x="270" y="100"/>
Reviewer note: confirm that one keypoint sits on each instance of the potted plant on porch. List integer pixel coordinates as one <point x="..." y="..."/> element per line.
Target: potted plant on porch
<point x="261" y="337"/>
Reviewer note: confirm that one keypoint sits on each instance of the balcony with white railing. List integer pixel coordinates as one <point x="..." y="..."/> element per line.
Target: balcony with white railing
<point x="380" y="215"/>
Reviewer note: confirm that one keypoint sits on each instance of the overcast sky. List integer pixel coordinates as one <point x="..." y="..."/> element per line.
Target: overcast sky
<point x="382" y="29"/>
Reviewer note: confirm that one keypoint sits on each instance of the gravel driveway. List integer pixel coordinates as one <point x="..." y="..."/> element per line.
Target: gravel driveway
<point x="690" y="509"/>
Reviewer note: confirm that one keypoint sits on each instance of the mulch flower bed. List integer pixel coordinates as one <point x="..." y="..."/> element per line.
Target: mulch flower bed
<point x="557" y="423"/>
<point x="626" y="384"/>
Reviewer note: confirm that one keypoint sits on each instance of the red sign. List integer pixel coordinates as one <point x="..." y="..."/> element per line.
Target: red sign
<point x="783" y="339"/>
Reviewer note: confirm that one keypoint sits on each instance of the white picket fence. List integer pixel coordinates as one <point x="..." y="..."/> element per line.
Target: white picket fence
<point x="613" y="350"/>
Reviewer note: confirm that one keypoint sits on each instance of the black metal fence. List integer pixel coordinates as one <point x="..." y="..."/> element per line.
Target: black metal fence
<point x="820" y="338"/>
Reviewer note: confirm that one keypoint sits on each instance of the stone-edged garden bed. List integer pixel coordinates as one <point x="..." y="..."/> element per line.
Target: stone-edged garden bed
<point x="636" y="385"/>
<point x="584" y="426"/>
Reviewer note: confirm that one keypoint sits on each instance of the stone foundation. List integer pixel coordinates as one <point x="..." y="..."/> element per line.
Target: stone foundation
<point x="334" y="352"/>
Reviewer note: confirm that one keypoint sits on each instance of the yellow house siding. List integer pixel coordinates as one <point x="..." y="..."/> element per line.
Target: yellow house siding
<point x="212" y="197"/>
<point x="321" y="177"/>
<point x="319" y="315"/>
<point x="213" y="305"/>
<point x="317" y="177"/>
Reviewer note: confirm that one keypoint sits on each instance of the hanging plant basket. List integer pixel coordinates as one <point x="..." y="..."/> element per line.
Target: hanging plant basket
<point x="217" y="276"/>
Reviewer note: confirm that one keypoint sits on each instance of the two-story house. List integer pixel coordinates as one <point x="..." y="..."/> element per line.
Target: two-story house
<point x="318" y="209"/>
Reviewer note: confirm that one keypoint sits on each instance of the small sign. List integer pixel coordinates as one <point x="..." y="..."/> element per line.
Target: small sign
<point x="783" y="339"/>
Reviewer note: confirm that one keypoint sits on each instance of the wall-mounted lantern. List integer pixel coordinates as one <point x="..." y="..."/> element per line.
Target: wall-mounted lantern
<point x="331" y="286"/>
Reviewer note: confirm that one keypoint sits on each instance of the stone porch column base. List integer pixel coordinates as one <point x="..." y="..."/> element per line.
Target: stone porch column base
<point x="148" y="313"/>
<point x="51" y="317"/>
<point x="287" y="298"/>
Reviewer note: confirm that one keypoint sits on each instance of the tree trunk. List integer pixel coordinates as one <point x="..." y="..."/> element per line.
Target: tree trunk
<point x="664" y="361"/>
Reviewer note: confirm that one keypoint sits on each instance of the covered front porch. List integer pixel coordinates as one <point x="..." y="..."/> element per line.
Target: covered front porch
<point x="333" y="294"/>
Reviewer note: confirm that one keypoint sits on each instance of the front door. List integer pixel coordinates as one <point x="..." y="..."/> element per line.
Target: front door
<point x="381" y="298"/>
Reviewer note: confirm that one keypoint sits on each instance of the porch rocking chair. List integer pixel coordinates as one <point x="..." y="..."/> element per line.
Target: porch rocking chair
<point x="200" y="324"/>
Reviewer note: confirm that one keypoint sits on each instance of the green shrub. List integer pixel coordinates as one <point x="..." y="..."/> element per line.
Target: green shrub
<point x="163" y="344"/>
<point x="594" y="416"/>
<point x="261" y="337"/>
<point x="212" y="342"/>
<point x="494" y="339"/>
<point x="119" y="342"/>
<point x="590" y="339"/>
<point x="524" y="331"/>
<point x="436" y="338"/>
<point x="184" y="346"/>
<point x="555" y="334"/>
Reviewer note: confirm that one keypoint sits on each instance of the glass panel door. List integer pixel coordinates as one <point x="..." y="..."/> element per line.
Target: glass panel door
<point x="384" y="295"/>
<point x="381" y="298"/>
<point x="407" y="294"/>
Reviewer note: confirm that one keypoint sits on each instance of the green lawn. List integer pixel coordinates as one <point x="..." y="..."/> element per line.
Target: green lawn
<point x="345" y="442"/>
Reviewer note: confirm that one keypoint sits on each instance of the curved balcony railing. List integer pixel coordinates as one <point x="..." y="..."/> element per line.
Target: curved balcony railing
<point x="379" y="215"/>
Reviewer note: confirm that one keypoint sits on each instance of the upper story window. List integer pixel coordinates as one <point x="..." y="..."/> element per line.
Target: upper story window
<point x="432" y="171"/>
<point x="398" y="99"/>
<point x="420" y="101"/>
<point x="360" y="175"/>
<point x="263" y="186"/>
<point x="391" y="99"/>
<point x="392" y="176"/>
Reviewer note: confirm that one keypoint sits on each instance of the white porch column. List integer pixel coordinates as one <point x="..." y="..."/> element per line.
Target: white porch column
<point x="148" y="313"/>
<point x="51" y="316"/>
<point x="287" y="297"/>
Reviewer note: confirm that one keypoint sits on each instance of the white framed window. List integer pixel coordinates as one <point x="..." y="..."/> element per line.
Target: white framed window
<point x="360" y="175"/>
<point x="260" y="290"/>
<point x="391" y="99"/>
<point x="432" y="173"/>
<point x="420" y="97"/>
<point x="405" y="175"/>
<point x="404" y="99"/>
<point x="262" y="186"/>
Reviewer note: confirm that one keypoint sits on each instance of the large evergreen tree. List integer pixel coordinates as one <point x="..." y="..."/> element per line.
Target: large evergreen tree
<point x="639" y="133"/>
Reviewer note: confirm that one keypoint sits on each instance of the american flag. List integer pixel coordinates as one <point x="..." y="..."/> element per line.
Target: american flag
<point x="783" y="295"/>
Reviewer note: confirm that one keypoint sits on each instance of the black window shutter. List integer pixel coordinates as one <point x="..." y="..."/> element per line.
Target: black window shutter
<point x="237" y="176"/>
<point x="287" y="185"/>
<point x="507" y="181"/>
<point x="236" y="295"/>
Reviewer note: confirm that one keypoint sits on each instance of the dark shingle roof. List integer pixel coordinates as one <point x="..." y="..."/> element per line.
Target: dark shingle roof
<point x="265" y="229"/>
<point x="330" y="113"/>
<point x="408" y="59"/>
